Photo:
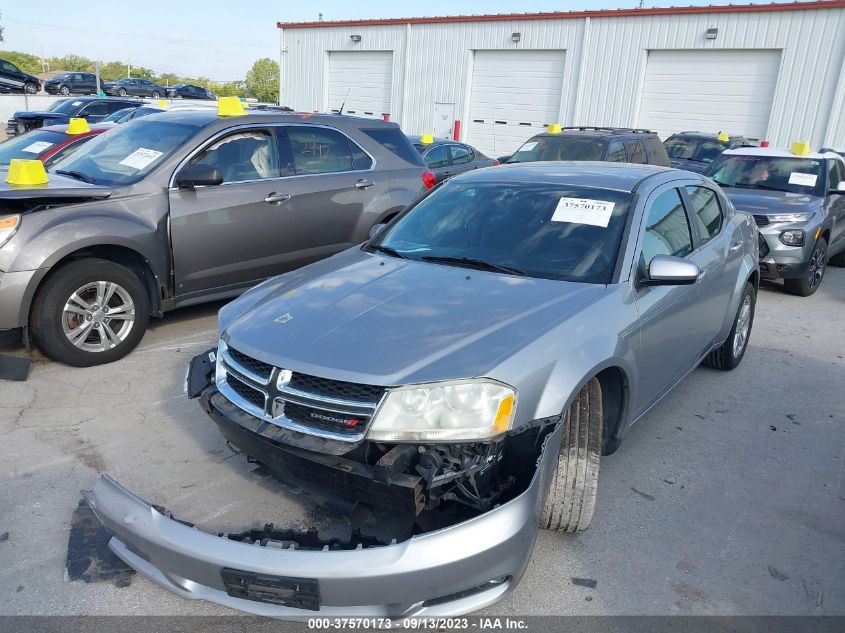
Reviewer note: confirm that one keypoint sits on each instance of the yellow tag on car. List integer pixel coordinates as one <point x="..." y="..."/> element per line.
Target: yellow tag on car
<point x="26" y="172"/>
<point x="77" y="126"/>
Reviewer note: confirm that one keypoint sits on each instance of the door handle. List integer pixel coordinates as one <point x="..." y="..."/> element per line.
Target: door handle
<point x="736" y="246"/>
<point x="276" y="198"/>
<point x="363" y="184"/>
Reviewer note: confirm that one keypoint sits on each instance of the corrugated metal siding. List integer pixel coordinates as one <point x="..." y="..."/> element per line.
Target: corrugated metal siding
<point x="608" y="54"/>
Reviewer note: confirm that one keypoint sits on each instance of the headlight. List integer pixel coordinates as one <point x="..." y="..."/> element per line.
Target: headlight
<point x="460" y="410"/>
<point x="790" y="217"/>
<point x="792" y="238"/>
<point x="8" y="227"/>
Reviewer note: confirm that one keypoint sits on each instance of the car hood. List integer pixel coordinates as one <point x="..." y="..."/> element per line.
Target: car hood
<point x="763" y="202"/>
<point x="696" y="166"/>
<point x="367" y="318"/>
<point x="40" y="115"/>
<point x="59" y="187"/>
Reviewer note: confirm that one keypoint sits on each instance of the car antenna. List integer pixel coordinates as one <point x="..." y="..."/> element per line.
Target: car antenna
<point x="342" y="105"/>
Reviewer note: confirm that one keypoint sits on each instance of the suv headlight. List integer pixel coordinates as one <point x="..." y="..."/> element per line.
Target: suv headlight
<point x="8" y="227"/>
<point x="459" y="410"/>
<point x="795" y="237"/>
<point x="789" y="217"/>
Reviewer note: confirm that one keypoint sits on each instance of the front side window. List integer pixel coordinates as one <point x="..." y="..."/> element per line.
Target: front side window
<point x="461" y="154"/>
<point x="8" y="66"/>
<point x="244" y="155"/>
<point x="437" y="157"/>
<point x="705" y="211"/>
<point x="95" y="108"/>
<point x="319" y="151"/>
<point x="836" y="174"/>
<point x="533" y="229"/>
<point x="775" y="173"/>
<point x="667" y="230"/>
<point x="635" y="152"/>
<point x="559" y="147"/>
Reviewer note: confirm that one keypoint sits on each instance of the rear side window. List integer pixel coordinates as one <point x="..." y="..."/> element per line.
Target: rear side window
<point x="635" y="151"/>
<point x="705" y="211"/>
<point x="461" y="154"/>
<point x="319" y="150"/>
<point x="393" y="139"/>
<point x="616" y="152"/>
<point x="437" y="157"/>
<point x="657" y="151"/>
<point x="667" y="229"/>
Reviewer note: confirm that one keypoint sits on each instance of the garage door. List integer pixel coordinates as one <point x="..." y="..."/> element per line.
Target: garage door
<point x="366" y="76"/>
<point x="730" y="90"/>
<point x="514" y="95"/>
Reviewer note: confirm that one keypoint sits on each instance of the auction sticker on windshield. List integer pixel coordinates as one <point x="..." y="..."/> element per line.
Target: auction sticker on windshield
<point x="37" y="147"/>
<point x="583" y="211"/>
<point x="140" y="158"/>
<point x="806" y="180"/>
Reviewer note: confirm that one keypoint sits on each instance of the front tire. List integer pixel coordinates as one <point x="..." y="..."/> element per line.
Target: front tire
<point x="64" y="90"/>
<point x="30" y="88"/>
<point x="571" y="498"/>
<point x="122" y="92"/>
<point x="731" y="352"/>
<point x="809" y="282"/>
<point x="90" y="312"/>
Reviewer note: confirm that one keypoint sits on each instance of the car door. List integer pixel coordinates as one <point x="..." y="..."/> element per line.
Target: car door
<point x="438" y="160"/>
<point x="337" y="192"/>
<point x="238" y="232"/>
<point x="76" y="84"/>
<point x="94" y="111"/>
<point x="835" y="206"/>
<point x="87" y="84"/>
<point x="462" y="157"/>
<point x="673" y="333"/>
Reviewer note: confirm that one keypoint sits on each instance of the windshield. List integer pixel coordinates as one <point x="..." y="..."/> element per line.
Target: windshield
<point x="127" y="153"/>
<point x="793" y="175"/>
<point x="68" y="106"/>
<point x="561" y="147"/>
<point x="115" y="116"/>
<point x="704" y="150"/>
<point x="30" y="145"/>
<point x="534" y="229"/>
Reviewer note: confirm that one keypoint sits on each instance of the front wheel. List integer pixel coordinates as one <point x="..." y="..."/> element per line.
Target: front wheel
<point x="572" y="495"/>
<point x="30" y="88"/>
<point x="730" y="353"/>
<point x="90" y="312"/>
<point x="64" y="90"/>
<point x="809" y="282"/>
<point x="122" y="92"/>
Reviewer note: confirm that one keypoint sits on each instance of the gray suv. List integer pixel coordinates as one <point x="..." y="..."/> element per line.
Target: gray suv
<point x="184" y="207"/>
<point x="457" y="380"/>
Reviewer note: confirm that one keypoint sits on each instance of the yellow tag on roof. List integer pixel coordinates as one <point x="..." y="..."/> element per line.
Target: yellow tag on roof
<point x="162" y="104"/>
<point x="801" y="148"/>
<point x="554" y="128"/>
<point x="77" y="126"/>
<point x="230" y="106"/>
<point x="723" y="137"/>
<point x="26" y="172"/>
<point x="427" y="139"/>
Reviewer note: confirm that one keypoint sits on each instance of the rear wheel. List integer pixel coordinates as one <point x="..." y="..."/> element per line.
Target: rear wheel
<point x="809" y="282"/>
<point x="730" y="354"/>
<point x="64" y="90"/>
<point x="90" y="312"/>
<point x="572" y="495"/>
<point x="156" y="94"/>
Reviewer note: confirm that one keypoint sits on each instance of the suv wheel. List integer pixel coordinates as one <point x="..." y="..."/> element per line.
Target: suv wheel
<point x="156" y="94"/>
<point x="572" y="495"/>
<point x="30" y="88"/>
<point x="808" y="283"/>
<point x="90" y="312"/>
<point x="730" y="354"/>
<point x="64" y="90"/>
<point x="122" y="92"/>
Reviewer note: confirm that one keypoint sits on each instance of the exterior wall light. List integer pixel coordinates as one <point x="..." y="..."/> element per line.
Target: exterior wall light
<point x="515" y="37"/>
<point x="355" y="38"/>
<point x="711" y="34"/>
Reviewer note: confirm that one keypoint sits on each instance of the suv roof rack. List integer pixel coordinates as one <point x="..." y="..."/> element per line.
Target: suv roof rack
<point x="608" y="128"/>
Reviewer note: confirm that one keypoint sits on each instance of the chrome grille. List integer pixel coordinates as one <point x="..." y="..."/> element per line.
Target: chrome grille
<point x="319" y="406"/>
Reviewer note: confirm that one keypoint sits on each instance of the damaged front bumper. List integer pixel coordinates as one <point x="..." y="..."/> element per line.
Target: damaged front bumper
<point x="449" y="571"/>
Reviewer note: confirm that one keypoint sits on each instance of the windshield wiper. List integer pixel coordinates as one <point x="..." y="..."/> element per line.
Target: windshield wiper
<point x="738" y="185"/>
<point x="770" y="188"/>
<point x="77" y="175"/>
<point x="389" y="250"/>
<point x="470" y="262"/>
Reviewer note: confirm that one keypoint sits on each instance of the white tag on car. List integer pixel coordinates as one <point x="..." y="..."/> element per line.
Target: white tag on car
<point x="805" y="180"/>
<point x="37" y="147"/>
<point x="583" y="211"/>
<point x="140" y="158"/>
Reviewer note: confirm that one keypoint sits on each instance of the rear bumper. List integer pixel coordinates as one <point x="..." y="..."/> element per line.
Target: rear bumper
<point x="446" y="572"/>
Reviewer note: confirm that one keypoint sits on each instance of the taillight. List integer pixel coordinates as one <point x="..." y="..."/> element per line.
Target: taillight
<point x="429" y="179"/>
<point x="495" y="163"/>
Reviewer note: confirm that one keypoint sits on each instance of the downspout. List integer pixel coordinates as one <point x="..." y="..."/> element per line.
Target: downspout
<point x="281" y="64"/>
<point x="405" y="71"/>
<point x="582" y="73"/>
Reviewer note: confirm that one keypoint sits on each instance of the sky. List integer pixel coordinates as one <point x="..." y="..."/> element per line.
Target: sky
<point x="221" y="40"/>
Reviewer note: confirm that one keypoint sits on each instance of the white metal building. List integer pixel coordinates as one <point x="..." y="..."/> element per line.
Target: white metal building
<point x="767" y="71"/>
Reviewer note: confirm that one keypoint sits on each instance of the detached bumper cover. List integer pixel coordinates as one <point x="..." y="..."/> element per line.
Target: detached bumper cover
<point x="445" y="572"/>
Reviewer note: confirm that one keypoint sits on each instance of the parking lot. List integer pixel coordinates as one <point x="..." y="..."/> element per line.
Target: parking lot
<point x="728" y="498"/>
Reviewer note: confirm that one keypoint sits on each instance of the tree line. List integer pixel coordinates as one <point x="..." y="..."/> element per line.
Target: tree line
<point x="261" y="81"/>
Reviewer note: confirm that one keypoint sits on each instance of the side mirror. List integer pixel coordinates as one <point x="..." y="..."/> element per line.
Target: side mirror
<point x="840" y="188"/>
<point x="666" y="270"/>
<point x="376" y="229"/>
<point x="197" y="175"/>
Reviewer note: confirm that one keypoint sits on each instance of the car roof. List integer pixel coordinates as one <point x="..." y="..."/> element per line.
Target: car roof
<point x="208" y="116"/>
<point x="417" y="140"/>
<point x="592" y="174"/>
<point x="62" y="128"/>
<point x="777" y="153"/>
<point x="599" y="132"/>
<point x="707" y="135"/>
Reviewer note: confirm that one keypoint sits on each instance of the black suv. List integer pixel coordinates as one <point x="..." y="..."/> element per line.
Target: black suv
<point x="90" y="108"/>
<point x="72" y="84"/>
<point x="188" y="91"/>
<point x="13" y="79"/>
<point x="134" y="87"/>
<point x="620" y="145"/>
<point x="694" y="151"/>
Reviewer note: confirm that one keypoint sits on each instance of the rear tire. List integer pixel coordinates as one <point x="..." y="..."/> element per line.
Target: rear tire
<point x="156" y="94"/>
<point x="809" y="282"/>
<point x="731" y="352"/>
<point x="571" y="498"/>
<point x="90" y="312"/>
